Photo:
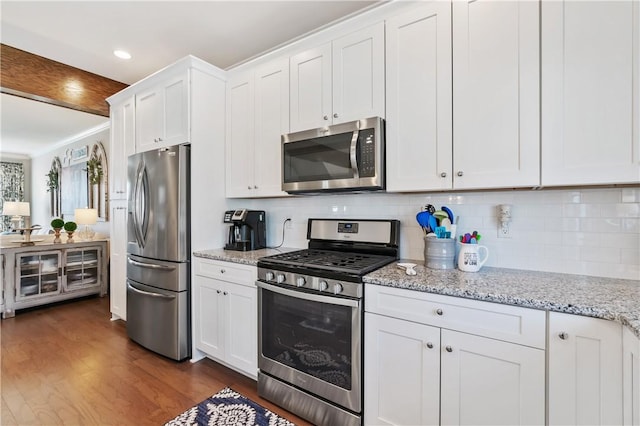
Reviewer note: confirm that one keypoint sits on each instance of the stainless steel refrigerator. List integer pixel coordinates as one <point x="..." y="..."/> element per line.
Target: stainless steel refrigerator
<point x="159" y="251"/>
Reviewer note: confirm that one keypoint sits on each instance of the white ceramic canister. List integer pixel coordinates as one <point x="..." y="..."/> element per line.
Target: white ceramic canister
<point x="469" y="257"/>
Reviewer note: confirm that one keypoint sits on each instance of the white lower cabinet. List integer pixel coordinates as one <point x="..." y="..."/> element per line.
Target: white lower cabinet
<point x="118" y="260"/>
<point x="225" y="319"/>
<point x="421" y="373"/>
<point x="585" y="370"/>
<point x="631" y="377"/>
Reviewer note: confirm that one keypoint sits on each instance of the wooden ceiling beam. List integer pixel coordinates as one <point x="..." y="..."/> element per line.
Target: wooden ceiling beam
<point x="35" y="77"/>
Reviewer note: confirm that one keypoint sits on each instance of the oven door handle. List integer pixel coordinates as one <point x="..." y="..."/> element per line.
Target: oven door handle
<point x="311" y="297"/>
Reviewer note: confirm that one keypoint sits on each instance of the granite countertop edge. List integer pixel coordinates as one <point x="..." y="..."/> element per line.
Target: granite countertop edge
<point x="566" y="293"/>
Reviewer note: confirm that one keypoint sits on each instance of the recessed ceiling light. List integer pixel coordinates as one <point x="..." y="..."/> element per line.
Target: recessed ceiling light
<point x="122" y="54"/>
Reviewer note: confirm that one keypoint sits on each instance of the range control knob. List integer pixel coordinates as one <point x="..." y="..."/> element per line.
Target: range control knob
<point x="337" y="289"/>
<point x="269" y="276"/>
<point x="323" y="285"/>
<point x="300" y="281"/>
<point x="280" y="278"/>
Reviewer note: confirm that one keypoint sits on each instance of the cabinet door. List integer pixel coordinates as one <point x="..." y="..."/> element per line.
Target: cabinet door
<point x="122" y="146"/>
<point x="148" y="119"/>
<point x="496" y="137"/>
<point x="631" y="377"/>
<point x="162" y="114"/>
<point x="486" y="381"/>
<point x="241" y="327"/>
<point x="38" y="274"/>
<point x="239" y="137"/>
<point x="402" y="372"/>
<point x="358" y="75"/>
<point x="419" y="124"/>
<point x="208" y="327"/>
<point x="271" y="122"/>
<point x="585" y="372"/>
<point x="311" y="88"/>
<point x="82" y="268"/>
<point x="590" y="92"/>
<point x="118" y="260"/>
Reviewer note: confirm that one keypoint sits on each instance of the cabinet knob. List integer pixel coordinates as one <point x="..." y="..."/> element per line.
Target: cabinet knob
<point x="439" y="311"/>
<point x="448" y="348"/>
<point x="326" y="117"/>
<point x="460" y="173"/>
<point x="429" y="345"/>
<point x="335" y="115"/>
<point x="443" y="174"/>
<point x="563" y="335"/>
<point x="255" y="186"/>
<point x="218" y="291"/>
<point x="222" y="271"/>
<point x="248" y="186"/>
<point x="159" y="139"/>
<point x="225" y="293"/>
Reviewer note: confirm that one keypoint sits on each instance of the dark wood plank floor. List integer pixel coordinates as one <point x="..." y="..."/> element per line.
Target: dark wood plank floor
<point x="69" y="364"/>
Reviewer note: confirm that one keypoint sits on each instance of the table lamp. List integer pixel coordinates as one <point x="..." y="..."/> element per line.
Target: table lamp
<point x="17" y="210"/>
<point x="86" y="217"/>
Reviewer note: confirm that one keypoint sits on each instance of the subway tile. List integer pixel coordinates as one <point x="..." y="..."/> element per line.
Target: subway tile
<point x="624" y="241"/>
<point x="600" y="254"/>
<point x="600" y="225"/>
<point x="573" y="197"/>
<point x="581" y="210"/>
<point x="583" y="239"/>
<point x="571" y="224"/>
<point x="630" y="195"/>
<point x="630" y="257"/>
<point x="631" y="225"/>
<point x="623" y="210"/>
<point x="600" y="196"/>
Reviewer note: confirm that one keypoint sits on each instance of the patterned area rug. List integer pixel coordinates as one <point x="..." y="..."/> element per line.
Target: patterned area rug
<point x="228" y="408"/>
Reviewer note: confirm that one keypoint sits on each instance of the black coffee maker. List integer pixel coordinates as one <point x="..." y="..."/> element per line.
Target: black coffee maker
<point x="248" y="230"/>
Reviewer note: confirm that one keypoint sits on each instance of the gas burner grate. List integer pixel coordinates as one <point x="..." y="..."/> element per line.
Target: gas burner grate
<point x="354" y="263"/>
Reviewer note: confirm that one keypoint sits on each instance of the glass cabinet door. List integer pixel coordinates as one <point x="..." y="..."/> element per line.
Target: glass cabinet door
<point x="82" y="268"/>
<point x="38" y="274"/>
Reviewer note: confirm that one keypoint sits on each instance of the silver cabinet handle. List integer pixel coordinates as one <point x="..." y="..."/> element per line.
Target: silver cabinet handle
<point x="225" y="293"/>
<point x="248" y="186"/>
<point x="448" y="348"/>
<point x="563" y="335"/>
<point x="460" y="173"/>
<point x="443" y="174"/>
<point x="439" y="311"/>
<point x="222" y="271"/>
<point x="326" y="117"/>
<point x="429" y="345"/>
<point x="335" y="115"/>
<point x="218" y="291"/>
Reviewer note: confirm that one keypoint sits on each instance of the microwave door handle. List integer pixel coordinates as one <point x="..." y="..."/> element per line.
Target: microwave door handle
<point x="353" y="157"/>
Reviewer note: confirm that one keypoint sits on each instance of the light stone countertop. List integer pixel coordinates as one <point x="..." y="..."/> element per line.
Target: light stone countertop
<point x="607" y="298"/>
<point x="241" y="257"/>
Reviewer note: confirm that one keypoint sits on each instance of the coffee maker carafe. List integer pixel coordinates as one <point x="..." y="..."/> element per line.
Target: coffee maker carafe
<point x="248" y="230"/>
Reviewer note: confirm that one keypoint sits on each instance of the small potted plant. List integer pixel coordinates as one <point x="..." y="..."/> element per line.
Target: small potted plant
<point x="57" y="224"/>
<point x="70" y="227"/>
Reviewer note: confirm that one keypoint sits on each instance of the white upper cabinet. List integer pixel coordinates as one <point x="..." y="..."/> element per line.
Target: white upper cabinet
<point x="419" y="121"/>
<point x="257" y="116"/>
<point x="162" y="114"/>
<point x="122" y="146"/>
<point x="590" y="92"/>
<point x="271" y="122"/>
<point x="239" y="138"/>
<point x="496" y="137"/>
<point x="339" y="81"/>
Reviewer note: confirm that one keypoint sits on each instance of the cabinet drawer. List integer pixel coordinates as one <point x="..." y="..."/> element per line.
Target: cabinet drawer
<point x="503" y="322"/>
<point x="226" y="271"/>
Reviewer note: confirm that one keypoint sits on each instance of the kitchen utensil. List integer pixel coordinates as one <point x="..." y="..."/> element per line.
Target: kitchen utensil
<point x="408" y="268"/>
<point x="423" y="220"/>
<point x="433" y="223"/>
<point x="429" y="208"/>
<point x="449" y="213"/>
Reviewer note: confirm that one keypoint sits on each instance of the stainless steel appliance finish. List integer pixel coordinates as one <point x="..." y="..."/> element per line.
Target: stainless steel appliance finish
<point x="311" y="318"/>
<point x="343" y="157"/>
<point x="158" y="247"/>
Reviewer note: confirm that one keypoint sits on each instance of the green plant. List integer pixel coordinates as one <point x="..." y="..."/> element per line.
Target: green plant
<point x="70" y="226"/>
<point x="57" y="223"/>
<point x="94" y="170"/>
<point x="52" y="180"/>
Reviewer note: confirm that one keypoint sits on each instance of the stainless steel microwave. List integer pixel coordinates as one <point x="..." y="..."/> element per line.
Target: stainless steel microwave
<point x="342" y="157"/>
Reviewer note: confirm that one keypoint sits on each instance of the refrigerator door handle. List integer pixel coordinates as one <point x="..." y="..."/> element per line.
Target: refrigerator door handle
<point x="140" y="204"/>
<point x="148" y="293"/>
<point x="150" y="265"/>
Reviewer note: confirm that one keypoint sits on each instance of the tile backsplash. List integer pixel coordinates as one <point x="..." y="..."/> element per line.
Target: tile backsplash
<point x="586" y="231"/>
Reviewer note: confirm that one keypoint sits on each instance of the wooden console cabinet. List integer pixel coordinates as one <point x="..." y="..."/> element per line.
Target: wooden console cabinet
<point x="47" y="272"/>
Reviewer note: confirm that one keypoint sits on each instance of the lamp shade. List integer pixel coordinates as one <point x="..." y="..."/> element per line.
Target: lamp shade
<point x="86" y="216"/>
<point x="16" y="208"/>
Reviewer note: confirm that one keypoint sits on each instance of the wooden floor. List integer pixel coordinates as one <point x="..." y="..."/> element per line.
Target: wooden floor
<point x="69" y="364"/>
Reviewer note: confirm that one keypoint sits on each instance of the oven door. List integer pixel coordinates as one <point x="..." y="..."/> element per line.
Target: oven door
<point x="313" y="342"/>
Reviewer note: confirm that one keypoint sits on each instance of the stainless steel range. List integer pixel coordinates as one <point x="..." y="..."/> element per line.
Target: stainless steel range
<point x="311" y="318"/>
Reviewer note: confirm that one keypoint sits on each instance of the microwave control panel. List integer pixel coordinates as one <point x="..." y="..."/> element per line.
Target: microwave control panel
<point x="367" y="151"/>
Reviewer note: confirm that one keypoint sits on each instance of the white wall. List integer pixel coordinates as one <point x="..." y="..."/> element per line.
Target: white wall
<point x="582" y="231"/>
<point x="40" y="166"/>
